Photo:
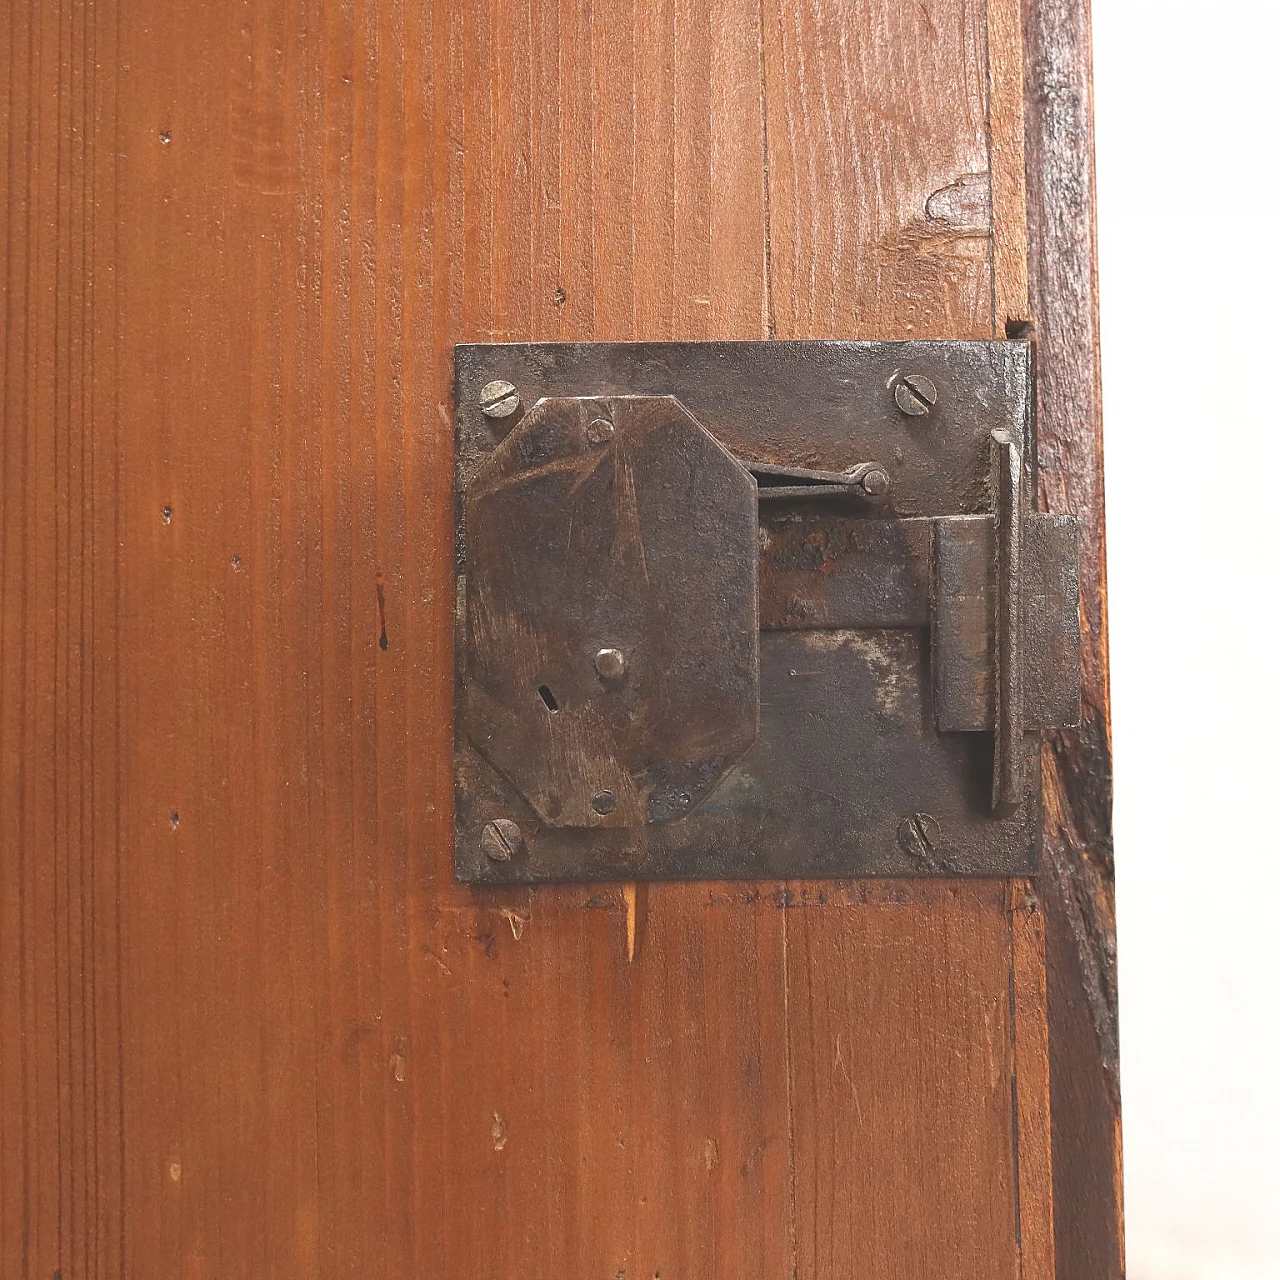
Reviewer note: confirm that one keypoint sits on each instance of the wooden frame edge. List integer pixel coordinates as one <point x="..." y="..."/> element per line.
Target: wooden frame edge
<point x="1075" y="883"/>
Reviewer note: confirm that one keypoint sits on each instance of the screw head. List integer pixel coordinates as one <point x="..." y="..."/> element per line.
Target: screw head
<point x="599" y="430"/>
<point x="875" y="483"/>
<point x="915" y="394"/>
<point x="611" y="664"/>
<point x="603" y="802"/>
<point x="498" y="399"/>
<point x="501" y="840"/>
<point x="918" y="834"/>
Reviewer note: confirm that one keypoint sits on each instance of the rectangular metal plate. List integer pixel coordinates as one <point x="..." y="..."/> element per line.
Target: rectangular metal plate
<point x="848" y="775"/>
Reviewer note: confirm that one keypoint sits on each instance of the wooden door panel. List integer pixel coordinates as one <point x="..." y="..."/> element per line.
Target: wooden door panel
<point x="252" y="1026"/>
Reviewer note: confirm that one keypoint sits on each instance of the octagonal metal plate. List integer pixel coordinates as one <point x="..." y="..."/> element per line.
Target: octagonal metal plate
<point x="848" y="775"/>
<point x="611" y="525"/>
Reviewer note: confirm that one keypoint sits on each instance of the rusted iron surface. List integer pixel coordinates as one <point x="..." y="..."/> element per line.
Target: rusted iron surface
<point x="823" y="569"/>
<point x="617" y="590"/>
<point x="1051" y="621"/>
<point x="612" y="629"/>
<point x="964" y="627"/>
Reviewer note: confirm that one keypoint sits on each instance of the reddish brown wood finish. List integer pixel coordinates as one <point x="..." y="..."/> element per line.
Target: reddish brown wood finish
<point x="251" y="1026"/>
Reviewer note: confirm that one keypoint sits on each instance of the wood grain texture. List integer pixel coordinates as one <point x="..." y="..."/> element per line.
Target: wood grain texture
<point x="1076" y="881"/>
<point x="251" y="1026"/>
<point x="1006" y="134"/>
<point x="1032" y="1109"/>
<point x="880" y="186"/>
<point x="902" y="1072"/>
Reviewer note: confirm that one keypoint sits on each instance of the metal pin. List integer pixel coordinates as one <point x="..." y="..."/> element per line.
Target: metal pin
<point x="611" y="664"/>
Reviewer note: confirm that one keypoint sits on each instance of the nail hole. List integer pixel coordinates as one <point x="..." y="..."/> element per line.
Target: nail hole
<point x="173" y="821"/>
<point x="549" y="698"/>
<point x="166" y="514"/>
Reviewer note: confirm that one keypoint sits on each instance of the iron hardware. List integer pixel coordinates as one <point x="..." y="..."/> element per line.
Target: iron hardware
<point x="754" y="609"/>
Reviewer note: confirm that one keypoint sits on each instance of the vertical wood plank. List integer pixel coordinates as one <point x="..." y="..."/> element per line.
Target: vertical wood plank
<point x="1076" y="880"/>
<point x="879" y="176"/>
<point x="904" y="995"/>
<point x="1034" y="1169"/>
<point x="60" y="1126"/>
<point x="895" y="213"/>
<point x="606" y="1106"/>
<point x="261" y="1028"/>
<point x="1007" y="142"/>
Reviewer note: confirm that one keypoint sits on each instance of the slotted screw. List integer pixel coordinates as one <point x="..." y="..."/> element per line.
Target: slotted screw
<point x="499" y="399"/>
<point x="918" y="835"/>
<point x="501" y="840"/>
<point x="915" y="394"/>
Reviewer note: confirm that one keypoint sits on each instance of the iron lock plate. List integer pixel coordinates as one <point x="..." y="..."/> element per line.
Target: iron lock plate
<point x="754" y="610"/>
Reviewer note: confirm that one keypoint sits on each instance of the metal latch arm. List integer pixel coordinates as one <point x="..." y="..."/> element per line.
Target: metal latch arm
<point x="868" y="481"/>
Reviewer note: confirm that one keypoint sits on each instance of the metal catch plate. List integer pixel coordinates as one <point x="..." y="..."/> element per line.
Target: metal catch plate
<point x="753" y="610"/>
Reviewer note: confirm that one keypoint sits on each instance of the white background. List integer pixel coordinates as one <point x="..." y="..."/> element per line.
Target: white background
<point x="1188" y="149"/>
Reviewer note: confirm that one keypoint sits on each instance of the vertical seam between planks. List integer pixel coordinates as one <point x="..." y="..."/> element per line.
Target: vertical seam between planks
<point x="792" y="1232"/>
<point x="88" y="526"/>
<point x="28" y="1072"/>
<point x="117" y="737"/>
<point x="1015" y="1169"/>
<point x="991" y="171"/>
<point x="313" y="506"/>
<point x="90" y="829"/>
<point x="771" y="329"/>
<point x="60" y="868"/>
<point x="84" y="748"/>
<point x="770" y="317"/>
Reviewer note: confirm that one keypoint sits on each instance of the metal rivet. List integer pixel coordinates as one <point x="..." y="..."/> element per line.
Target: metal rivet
<point x="918" y="835"/>
<point x="915" y="394"/>
<point x="611" y="664"/>
<point x="501" y="840"/>
<point x="603" y="802"/>
<point x="599" y="430"/>
<point x="875" y="483"/>
<point x="499" y="399"/>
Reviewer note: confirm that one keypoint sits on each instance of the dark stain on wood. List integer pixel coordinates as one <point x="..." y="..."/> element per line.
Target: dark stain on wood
<point x="1075" y="883"/>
